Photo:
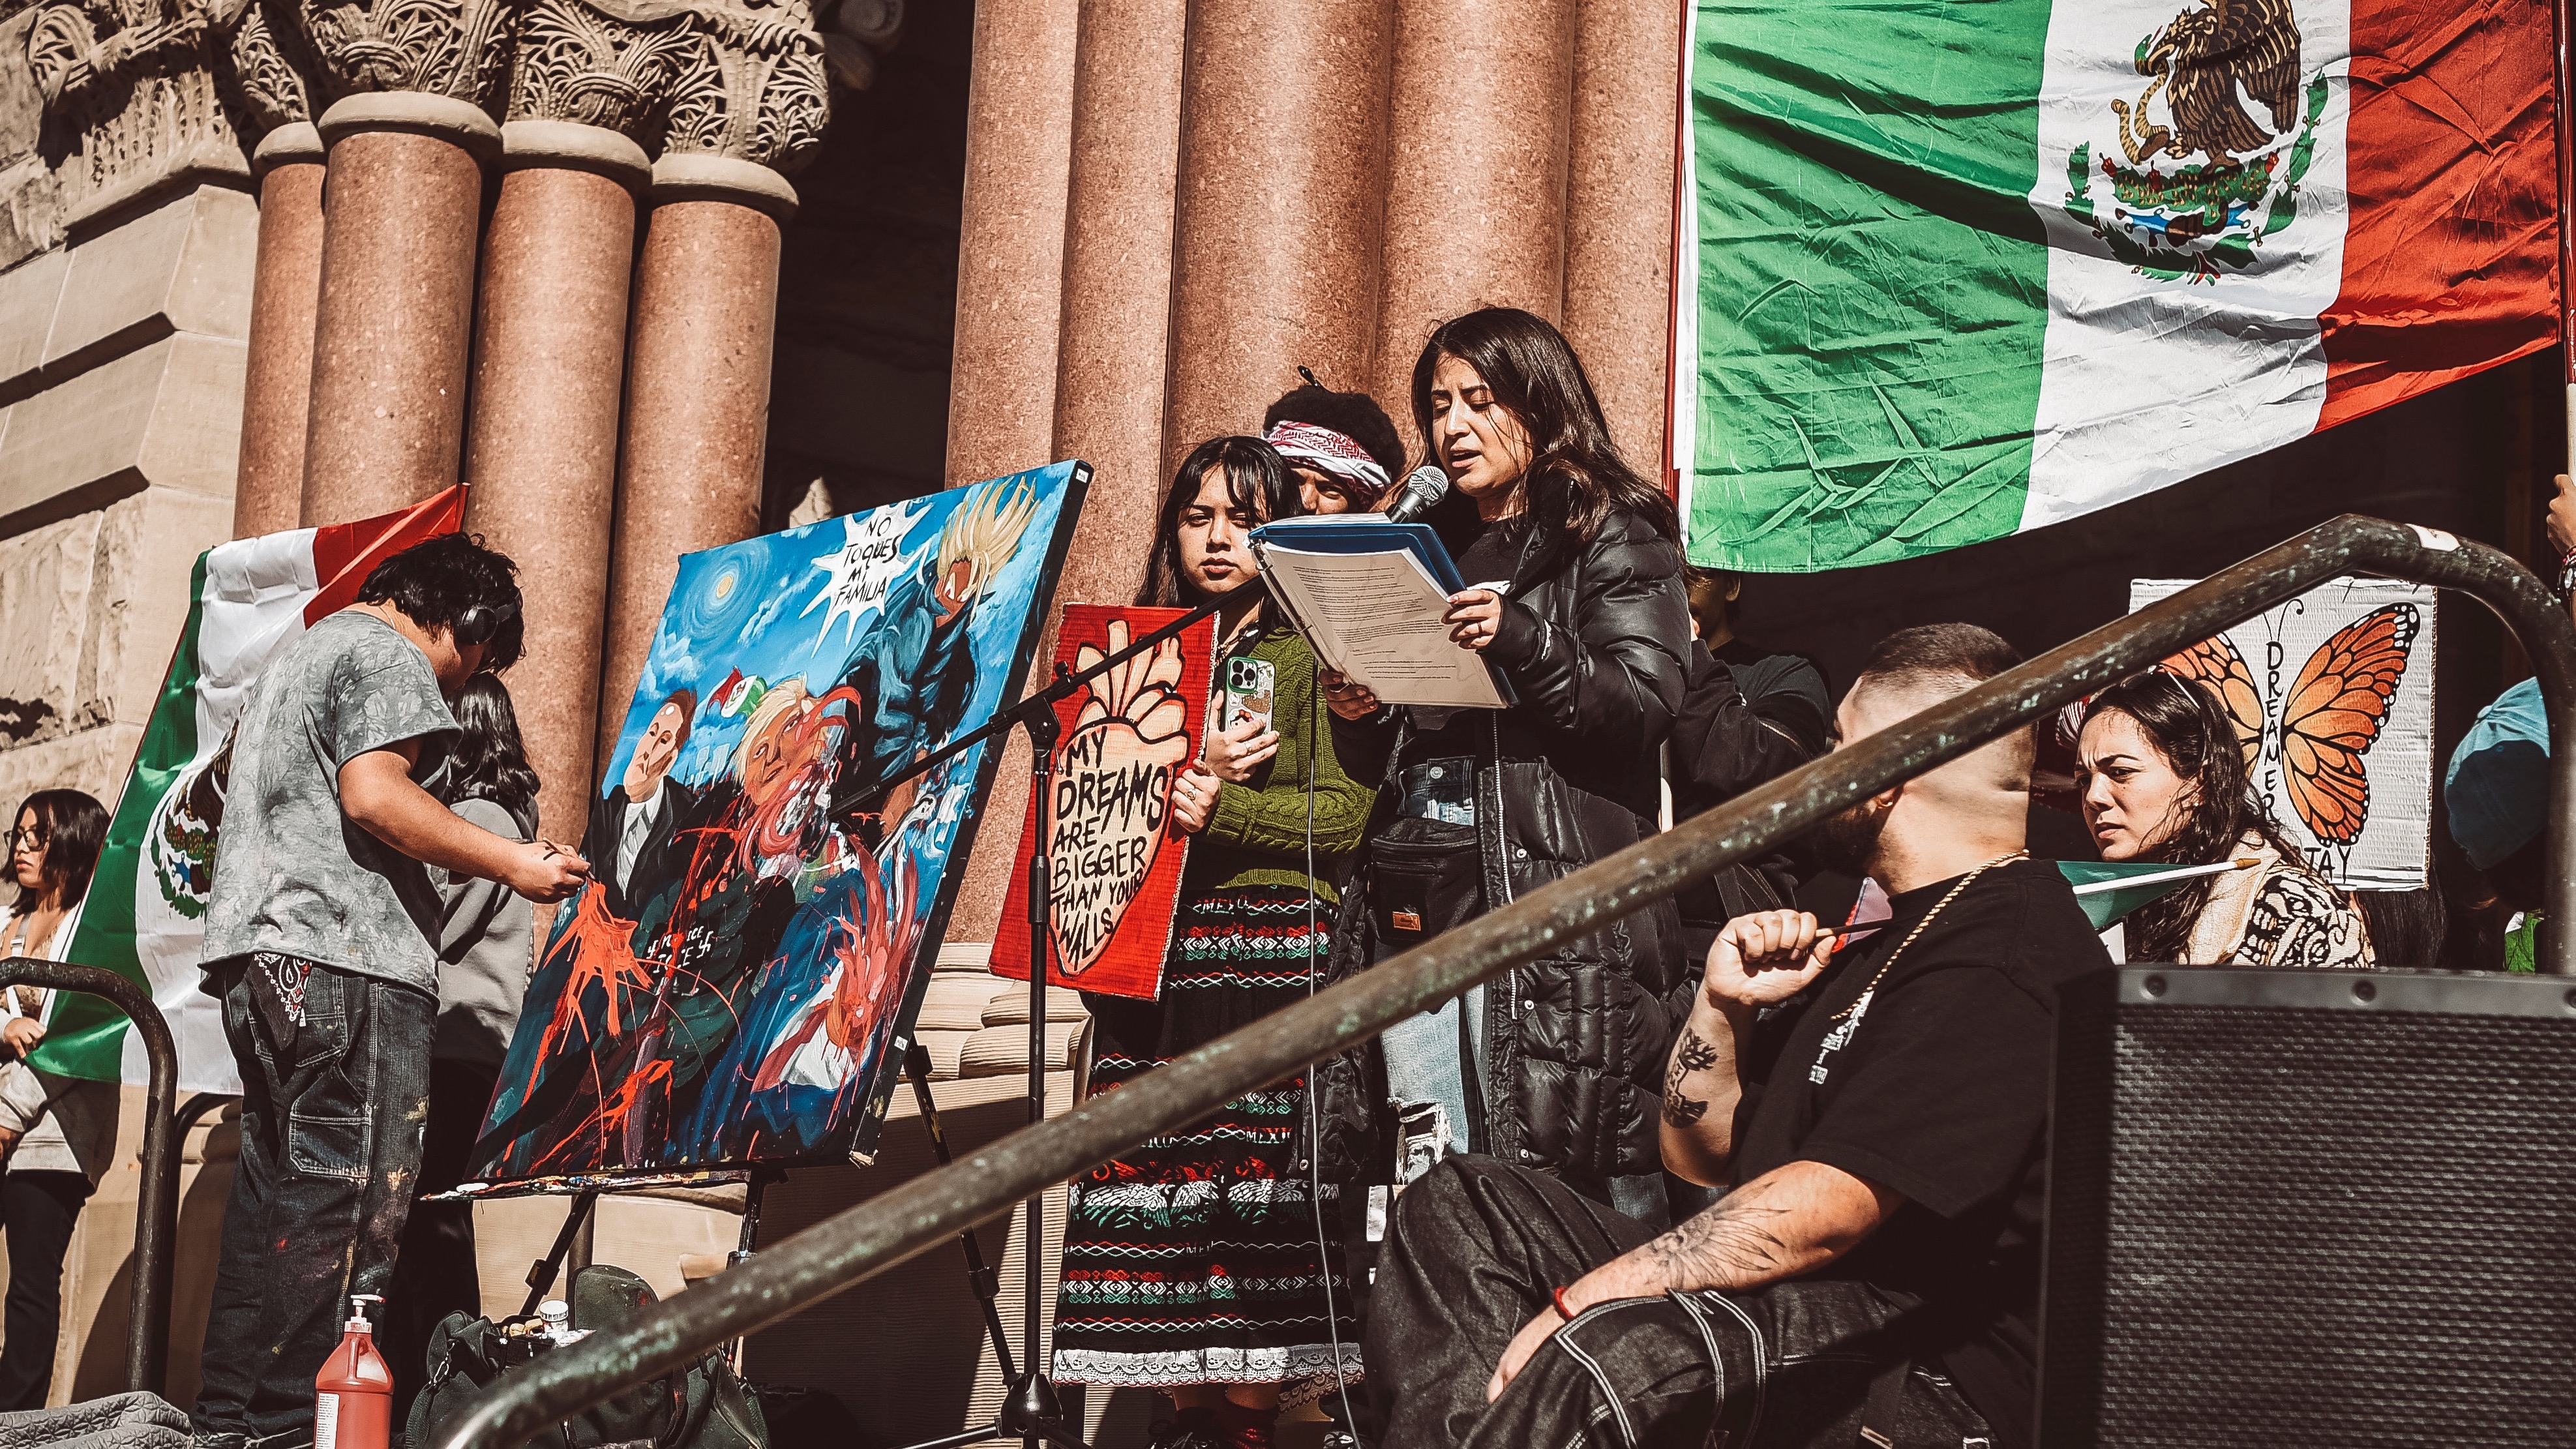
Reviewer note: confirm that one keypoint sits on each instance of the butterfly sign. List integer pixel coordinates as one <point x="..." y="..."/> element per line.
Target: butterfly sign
<point x="2331" y="698"/>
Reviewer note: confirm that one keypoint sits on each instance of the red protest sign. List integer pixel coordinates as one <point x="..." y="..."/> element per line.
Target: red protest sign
<point x="1113" y="859"/>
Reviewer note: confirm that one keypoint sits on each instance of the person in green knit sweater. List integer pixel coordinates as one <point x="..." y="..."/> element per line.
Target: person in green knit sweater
<point x="1192" y="1265"/>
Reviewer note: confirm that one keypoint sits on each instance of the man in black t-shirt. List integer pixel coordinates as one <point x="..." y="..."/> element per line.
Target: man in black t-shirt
<point x="1879" y="1112"/>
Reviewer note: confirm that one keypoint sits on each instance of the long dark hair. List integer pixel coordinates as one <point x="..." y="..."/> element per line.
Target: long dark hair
<point x="1576" y="477"/>
<point x="75" y="827"/>
<point x="490" y="762"/>
<point x="1257" y="479"/>
<point x="2188" y="727"/>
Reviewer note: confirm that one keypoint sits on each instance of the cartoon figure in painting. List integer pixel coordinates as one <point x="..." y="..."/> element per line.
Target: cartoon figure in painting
<point x="635" y="828"/>
<point x="744" y="845"/>
<point x="824" y="1002"/>
<point x="917" y="670"/>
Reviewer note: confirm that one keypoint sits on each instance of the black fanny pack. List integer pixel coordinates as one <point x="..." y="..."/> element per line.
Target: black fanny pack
<point x="1423" y="878"/>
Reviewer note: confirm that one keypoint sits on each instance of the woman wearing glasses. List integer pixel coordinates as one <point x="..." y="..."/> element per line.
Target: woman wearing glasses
<point x="56" y="1133"/>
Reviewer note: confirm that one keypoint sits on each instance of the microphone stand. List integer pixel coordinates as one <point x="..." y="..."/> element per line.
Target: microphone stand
<point x="1033" y="1411"/>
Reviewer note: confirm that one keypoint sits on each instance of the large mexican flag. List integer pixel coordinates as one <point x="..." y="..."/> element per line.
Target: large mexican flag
<point x="144" y="915"/>
<point x="1955" y="270"/>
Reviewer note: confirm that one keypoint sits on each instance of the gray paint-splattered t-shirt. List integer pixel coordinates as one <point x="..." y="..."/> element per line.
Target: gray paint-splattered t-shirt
<point x="292" y="873"/>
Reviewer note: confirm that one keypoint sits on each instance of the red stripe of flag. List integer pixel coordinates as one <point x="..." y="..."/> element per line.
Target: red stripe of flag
<point x="2453" y="173"/>
<point x="345" y="553"/>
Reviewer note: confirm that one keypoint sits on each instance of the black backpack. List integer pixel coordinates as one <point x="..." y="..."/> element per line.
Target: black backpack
<point x="704" y="1407"/>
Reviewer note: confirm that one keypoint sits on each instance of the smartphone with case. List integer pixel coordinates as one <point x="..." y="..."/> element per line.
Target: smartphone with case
<point x="1246" y="691"/>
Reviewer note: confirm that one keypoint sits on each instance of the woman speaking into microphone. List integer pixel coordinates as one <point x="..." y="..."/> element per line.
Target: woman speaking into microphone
<point x="1576" y="598"/>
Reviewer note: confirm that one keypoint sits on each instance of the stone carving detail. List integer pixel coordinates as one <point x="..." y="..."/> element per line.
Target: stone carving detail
<point x="607" y="66"/>
<point x="456" y="48"/>
<point x="129" y="81"/>
<point x="270" y="67"/>
<point x="739" y="78"/>
<point x="756" y="88"/>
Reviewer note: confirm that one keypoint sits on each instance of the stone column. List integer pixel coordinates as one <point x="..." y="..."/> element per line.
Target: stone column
<point x="1010" y="255"/>
<point x="697" y="394"/>
<point x="1476" y="174"/>
<point x="549" y="363"/>
<point x="277" y="373"/>
<point x="401" y="210"/>
<point x="1282" y="180"/>
<point x="1109" y="373"/>
<point x="1619" y="213"/>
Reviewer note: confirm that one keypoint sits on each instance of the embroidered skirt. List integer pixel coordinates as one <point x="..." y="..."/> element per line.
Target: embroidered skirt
<point x="1195" y="1259"/>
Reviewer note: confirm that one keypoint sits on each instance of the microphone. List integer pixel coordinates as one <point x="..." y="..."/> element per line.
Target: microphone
<point x="1421" y="488"/>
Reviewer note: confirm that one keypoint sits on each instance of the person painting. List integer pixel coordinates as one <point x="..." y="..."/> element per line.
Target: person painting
<point x="57" y="1134"/>
<point x="2164" y="780"/>
<point x="1879" y="1116"/>
<point x="486" y="941"/>
<point x="1576" y="599"/>
<point x="1341" y="446"/>
<point x="322" y="943"/>
<point x="1220" y="1221"/>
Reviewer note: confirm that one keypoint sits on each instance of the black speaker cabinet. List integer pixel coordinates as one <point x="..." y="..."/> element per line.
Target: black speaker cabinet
<point x="2311" y="1208"/>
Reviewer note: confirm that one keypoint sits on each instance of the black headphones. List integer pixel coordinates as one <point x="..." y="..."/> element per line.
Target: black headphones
<point x="480" y="622"/>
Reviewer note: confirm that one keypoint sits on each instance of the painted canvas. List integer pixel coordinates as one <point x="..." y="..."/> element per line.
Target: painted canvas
<point x="1113" y="865"/>
<point x="734" y="986"/>
<point x="2331" y="697"/>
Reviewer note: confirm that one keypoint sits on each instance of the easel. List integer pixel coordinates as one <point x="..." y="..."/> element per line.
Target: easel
<point x="1032" y="1411"/>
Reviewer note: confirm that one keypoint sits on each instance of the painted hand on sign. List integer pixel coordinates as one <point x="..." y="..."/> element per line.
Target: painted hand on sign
<point x="1113" y="785"/>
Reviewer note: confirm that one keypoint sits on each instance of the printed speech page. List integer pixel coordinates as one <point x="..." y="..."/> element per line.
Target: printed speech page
<point x="1376" y="617"/>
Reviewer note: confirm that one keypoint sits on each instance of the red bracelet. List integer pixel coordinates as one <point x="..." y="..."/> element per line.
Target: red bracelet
<point x="1557" y="1296"/>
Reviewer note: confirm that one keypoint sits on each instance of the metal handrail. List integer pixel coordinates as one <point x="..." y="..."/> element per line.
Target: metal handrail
<point x="156" y="1207"/>
<point x="929" y="1210"/>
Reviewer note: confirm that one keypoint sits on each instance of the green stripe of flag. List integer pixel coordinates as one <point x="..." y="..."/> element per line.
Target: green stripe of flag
<point x="1873" y="285"/>
<point x="87" y="1037"/>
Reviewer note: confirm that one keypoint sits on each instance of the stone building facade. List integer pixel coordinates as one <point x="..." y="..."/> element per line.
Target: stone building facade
<point x="278" y="262"/>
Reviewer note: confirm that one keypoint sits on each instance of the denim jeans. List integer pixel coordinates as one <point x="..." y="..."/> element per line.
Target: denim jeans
<point x="335" y="1092"/>
<point x="1475" y="1251"/>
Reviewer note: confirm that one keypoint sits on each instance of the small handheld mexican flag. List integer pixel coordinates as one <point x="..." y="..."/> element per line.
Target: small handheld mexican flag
<point x="2108" y="890"/>
<point x="144" y="916"/>
<point x="1951" y="272"/>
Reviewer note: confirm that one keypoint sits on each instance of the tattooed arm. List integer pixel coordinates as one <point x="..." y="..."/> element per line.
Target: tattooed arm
<point x="1756" y="960"/>
<point x="1790" y="1220"/>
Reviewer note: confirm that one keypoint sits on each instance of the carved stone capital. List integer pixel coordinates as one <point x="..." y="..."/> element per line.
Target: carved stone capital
<point x="700" y="177"/>
<point x="756" y="88"/>
<point x="608" y="66"/>
<point x="131" y="81"/>
<point x="271" y="67"/>
<point x="454" y="48"/>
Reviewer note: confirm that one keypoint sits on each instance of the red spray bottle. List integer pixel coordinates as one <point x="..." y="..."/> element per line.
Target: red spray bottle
<point x="353" y="1405"/>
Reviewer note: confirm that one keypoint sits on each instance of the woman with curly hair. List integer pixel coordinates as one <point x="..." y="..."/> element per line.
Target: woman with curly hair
<point x="2164" y="780"/>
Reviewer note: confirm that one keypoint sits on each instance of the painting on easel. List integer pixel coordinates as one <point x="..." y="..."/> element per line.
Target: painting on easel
<point x="734" y="986"/>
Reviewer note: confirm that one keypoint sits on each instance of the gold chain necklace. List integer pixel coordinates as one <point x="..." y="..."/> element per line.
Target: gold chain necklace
<point x="1928" y="916"/>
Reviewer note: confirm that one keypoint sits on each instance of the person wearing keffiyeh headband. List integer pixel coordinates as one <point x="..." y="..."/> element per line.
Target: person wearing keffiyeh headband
<point x="1351" y="481"/>
<point x="1341" y="445"/>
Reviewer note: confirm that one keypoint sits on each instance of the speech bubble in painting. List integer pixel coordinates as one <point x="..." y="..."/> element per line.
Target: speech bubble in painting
<point x="1114" y="863"/>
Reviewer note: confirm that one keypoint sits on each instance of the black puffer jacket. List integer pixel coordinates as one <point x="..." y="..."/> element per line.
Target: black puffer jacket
<point x="1593" y="642"/>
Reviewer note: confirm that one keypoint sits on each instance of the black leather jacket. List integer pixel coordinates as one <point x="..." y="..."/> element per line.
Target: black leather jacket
<point x="1594" y="644"/>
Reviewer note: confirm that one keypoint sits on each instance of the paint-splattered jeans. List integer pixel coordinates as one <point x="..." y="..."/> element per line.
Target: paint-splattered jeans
<point x="335" y="1092"/>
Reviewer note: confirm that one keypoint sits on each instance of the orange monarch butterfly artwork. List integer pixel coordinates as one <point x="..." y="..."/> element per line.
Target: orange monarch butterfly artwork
<point x="2336" y="729"/>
